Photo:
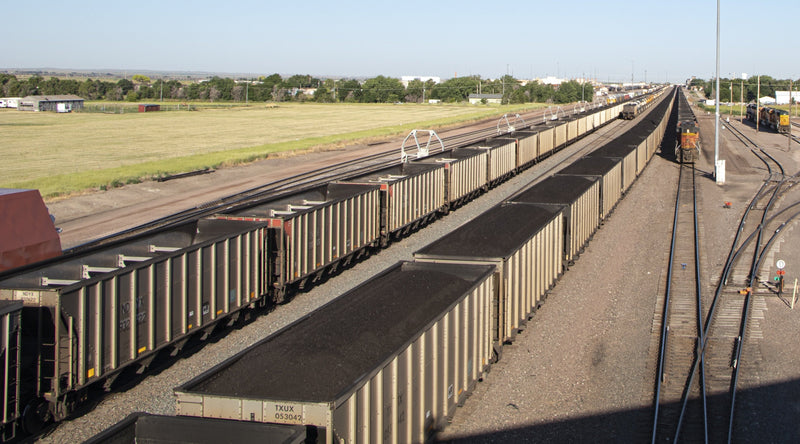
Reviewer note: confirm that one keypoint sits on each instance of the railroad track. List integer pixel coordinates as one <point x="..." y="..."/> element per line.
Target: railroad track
<point x="682" y="320"/>
<point x="730" y="332"/>
<point x="704" y="348"/>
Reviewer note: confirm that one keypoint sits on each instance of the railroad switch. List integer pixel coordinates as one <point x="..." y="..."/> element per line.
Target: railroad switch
<point x="746" y="290"/>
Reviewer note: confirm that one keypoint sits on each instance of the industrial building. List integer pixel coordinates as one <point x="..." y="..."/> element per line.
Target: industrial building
<point x="490" y="98"/>
<point x="59" y="103"/>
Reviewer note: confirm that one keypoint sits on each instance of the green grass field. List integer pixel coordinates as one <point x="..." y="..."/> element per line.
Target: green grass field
<point x="62" y="154"/>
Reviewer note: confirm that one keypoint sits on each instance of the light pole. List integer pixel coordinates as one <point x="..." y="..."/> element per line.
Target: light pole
<point x="719" y="166"/>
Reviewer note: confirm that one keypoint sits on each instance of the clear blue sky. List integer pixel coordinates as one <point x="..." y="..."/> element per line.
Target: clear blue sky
<point x="609" y="39"/>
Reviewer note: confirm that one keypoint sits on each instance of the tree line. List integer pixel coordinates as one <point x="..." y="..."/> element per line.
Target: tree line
<point x="379" y="89"/>
<point x="749" y="87"/>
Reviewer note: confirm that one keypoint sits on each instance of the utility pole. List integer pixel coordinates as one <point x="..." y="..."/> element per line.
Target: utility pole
<point x="632" y="72"/>
<point x="731" y="99"/>
<point x="789" y="139"/>
<point x="758" y="103"/>
<point x="741" y="100"/>
<point x="719" y="168"/>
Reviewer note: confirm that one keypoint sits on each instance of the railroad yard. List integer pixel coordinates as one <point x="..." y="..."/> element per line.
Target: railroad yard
<point x="583" y="367"/>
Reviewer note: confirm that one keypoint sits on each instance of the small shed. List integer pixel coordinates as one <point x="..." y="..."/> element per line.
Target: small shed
<point x="147" y="107"/>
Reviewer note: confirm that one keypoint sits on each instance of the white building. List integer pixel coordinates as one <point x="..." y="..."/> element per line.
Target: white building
<point x="475" y="99"/>
<point x="782" y="97"/>
<point x="405" y="80"/>
<point x="550" y="80"/>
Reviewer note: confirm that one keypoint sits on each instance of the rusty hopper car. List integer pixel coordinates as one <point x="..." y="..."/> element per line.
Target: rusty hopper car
<point x="315" y="230"/>
<point x="580" y="195"/>
<point x="89" y="315"/>
<point x="524" y="243"/>
<point x="608" y="170"/>
<point x="33" y="240"/>
<point x="465" y="174"/>
<point x="153" y="429"/>
<point x="411" y="194"/>
<point x="10" y="351"/>
<point x="385" y="362"/>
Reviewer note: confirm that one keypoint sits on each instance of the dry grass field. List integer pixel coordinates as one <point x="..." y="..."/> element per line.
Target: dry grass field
<point x="66" y="153"/>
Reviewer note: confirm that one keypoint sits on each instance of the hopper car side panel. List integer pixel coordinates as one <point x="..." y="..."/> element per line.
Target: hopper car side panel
<point x="93" y="328"/>
<point x="546" y="140"/>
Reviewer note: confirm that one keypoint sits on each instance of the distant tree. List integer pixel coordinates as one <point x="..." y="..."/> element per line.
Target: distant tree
<point x="348" y="91"/>
<point x="238" y="93"/>
<point x="323" y="95"/>
<point x="518" y="95"/>
<point x="539" y="92"/>
<point x="126" y="86"/>
<point x="381" y="90"/>
<point x="456" y="89"/>
<point x="213" y="93"/>
<point x="141" y="79"/>
<point x="414" y="91"/>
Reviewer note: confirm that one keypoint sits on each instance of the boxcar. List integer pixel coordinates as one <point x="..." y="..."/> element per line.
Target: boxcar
<point x="608" y="170"/>
<point x="580" y="195"/>
<point x="465" y="174"/>
<point x="385" y="362"/>
<point x="10" y="351"/>
<point x="153" y="429"/>
<point x="411" y="194"/>
<point x="315" y="230"/>
<point x="524" y="243"/>
<point x="89" y="315"/>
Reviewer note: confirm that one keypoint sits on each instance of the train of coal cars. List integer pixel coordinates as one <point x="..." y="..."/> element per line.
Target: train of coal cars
<point x="427" y="330"/>
<point x="90" y="315"/>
